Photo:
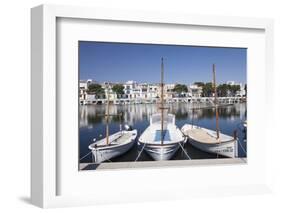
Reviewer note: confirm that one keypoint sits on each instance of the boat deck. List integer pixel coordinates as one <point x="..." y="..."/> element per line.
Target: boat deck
<point x="202" y="136"/>
<point x="122" y="139"/>
<point x="114" y="140"/>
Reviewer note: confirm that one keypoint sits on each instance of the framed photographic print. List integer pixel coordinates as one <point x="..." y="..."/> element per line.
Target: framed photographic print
<point x="148" y="121"/>
<point x="127" y="102"/>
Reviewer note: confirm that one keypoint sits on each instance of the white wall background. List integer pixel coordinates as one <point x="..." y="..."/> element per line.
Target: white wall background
<point x="15" y="99"/>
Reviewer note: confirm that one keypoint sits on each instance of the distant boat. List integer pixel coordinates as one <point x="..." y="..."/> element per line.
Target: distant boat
<point x="162" y="137"/>
<point x="113" y="145"/>
<point x="209" y="140"/>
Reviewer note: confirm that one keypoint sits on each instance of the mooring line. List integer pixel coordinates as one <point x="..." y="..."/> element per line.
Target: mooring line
<point x="140" y="153"/>
<point x="242" y="147"/>
<point x="85" y="155"/>
<point x="184" y="151"/>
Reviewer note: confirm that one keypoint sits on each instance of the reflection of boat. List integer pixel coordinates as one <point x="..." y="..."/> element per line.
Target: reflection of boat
<point x="113" y="145"/>
<point x="208" y="140"/>
<point x="162" y="138"/>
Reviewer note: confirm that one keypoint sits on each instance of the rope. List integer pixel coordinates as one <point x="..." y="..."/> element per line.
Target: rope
<point x="242" y="147"/>
<point x="85" y="155"/>
<point x="240" y="126"/>
<point x="140" y="153"/>
<point x="184" y="151"/>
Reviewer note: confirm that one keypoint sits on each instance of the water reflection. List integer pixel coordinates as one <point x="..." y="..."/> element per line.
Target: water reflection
<point x="94" y="114"/>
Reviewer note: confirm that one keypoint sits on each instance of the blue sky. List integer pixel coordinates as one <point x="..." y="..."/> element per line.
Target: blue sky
<point x="120" y="62"/>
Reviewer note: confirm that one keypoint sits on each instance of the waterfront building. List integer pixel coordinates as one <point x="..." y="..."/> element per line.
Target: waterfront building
<point x="107" y="86"/>
<point x="135" y="92"/>
<point x="241" y="92"/>
<point x="195" y="91"/>
<point x="83" y="87"/>
<point x="168" y="91"/>
<point x="130" y="89"/>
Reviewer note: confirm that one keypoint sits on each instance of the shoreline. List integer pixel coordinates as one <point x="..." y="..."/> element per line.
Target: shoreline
<point x="121" y="101"/>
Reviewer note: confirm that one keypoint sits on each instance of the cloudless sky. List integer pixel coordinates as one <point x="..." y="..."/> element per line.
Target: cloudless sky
<point x="120" y="62"/>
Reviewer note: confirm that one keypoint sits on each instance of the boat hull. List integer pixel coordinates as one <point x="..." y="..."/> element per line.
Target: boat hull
<point x="160" y="152"/>
<point x="225" y="149"/>
<point x="161" y="143"/>
<point x="101" y="154"/>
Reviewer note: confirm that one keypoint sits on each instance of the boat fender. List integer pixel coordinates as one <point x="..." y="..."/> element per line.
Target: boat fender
<point x="128" y="127"/>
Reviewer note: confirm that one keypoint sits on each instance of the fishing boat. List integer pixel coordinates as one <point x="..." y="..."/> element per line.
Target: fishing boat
<point x="209" y="140"/>
<point x="113" y="145"/>
<point x="162" y="138"/>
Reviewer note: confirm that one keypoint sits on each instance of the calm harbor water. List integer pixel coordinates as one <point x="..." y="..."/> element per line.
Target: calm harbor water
<point x="92" y="125"/>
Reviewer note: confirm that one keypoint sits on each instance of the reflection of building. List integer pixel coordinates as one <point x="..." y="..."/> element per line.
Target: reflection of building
<point x="133" y="114"/>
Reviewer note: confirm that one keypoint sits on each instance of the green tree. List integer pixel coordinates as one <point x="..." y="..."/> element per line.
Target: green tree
<point x="207" y="89"/>
<point x="180" y="88"/>
<point x="223" y="89"/>
<point x="234" y="89"/>
<point x="96" y="89"/>
<point x="118" y="89"/>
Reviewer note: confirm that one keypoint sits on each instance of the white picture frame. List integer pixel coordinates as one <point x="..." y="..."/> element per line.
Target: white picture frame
<point x="45" y="178"/>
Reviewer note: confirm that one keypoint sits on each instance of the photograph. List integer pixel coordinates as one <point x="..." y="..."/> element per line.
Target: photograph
<point x="160" y="102"/>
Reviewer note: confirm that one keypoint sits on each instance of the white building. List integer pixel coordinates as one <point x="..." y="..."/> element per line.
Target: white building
<point x="195" y="90"/>
<point x="83" y="87"/>
<point x="107" y="86"/>
<point x="241" y="92"/>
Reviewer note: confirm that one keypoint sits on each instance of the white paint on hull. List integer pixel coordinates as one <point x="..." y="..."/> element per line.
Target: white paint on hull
<point x="162" y="152"/>
<point x="151" y="139"/>
<point x="117" y="147"/>
<point x="225" y="149"/>
<point x="101" y="155"/>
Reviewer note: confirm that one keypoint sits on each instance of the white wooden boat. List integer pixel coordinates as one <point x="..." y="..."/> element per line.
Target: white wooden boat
<point x="206" y="140"/>
<point x="209" y="140"/>
<point x="162" y="138"/>
<point x="113" y="145"/>
<point x="119" y="143"/>
<point x="161" y="144"/>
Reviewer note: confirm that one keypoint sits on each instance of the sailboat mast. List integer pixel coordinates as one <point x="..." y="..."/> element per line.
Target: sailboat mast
<point x="107" y="117"/>
<point x="162" y="101"/>
<point x="216" y="101"/>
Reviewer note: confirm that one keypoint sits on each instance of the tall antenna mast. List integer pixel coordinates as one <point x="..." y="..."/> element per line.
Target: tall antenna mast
<point x="216" y="101"/>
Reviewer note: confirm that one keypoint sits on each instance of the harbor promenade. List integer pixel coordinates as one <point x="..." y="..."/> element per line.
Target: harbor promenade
<point x="121" y="101"/>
